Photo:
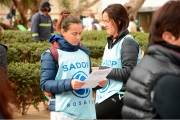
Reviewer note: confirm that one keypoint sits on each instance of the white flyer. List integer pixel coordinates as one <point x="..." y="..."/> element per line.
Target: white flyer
<point x="95" y="77"/>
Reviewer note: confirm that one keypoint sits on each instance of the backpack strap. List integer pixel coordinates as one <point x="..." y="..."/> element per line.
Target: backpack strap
<point x="54" y="52"/>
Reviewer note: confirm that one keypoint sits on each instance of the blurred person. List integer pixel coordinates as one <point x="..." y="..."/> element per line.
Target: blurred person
<point x="93" y="23"/>
<point x="5" y="111"/>
<point x="138" y="27"/>
<point x="68" y="100"/>
<point x="132" y="25"/>
<point x="121" y="53"/>
<point x="41" y="25"/>
<point x="11" y="14"/>
<point x="3" y="54"/>
<point x="152" y="91"/>
<point x="29" y="26"/>
<point x="54" y="25"/>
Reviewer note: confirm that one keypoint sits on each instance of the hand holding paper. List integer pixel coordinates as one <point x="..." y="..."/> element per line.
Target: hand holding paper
<point x="95" y="77"/>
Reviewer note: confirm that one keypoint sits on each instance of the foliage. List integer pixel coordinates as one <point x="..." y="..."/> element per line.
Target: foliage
<point x="26" y="52"/>
<point x="11" y="36"/>
<point x="24" y="81"/>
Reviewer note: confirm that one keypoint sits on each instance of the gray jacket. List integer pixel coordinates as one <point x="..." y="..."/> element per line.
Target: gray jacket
<point x="139" y="88"/>
<point x="41" y="27"/>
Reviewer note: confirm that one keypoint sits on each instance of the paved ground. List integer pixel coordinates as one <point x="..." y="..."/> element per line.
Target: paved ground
<point x="32" y="113"/>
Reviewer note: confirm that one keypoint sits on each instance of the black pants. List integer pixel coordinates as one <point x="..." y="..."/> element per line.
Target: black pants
<point x="110" y="108"/>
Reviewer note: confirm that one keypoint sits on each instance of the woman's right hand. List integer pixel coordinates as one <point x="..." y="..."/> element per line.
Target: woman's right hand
<point x="76" y="84"/>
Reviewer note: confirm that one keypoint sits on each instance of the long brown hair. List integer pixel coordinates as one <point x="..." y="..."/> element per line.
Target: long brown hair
<point x="4" y="96"/>
<point x="167" y="18"/>
<point x="65" y="20"/>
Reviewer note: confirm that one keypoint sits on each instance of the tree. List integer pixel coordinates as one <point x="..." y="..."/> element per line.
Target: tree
<point x="77" y="6"/>
<point x="133" y="6"/>
<point x="23" y="6"/>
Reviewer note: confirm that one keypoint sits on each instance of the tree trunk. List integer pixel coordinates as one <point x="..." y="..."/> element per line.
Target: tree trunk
<point x="7" y="27"/>
<point x="78" y="11"/>
<point x="133" y="6"/>
<point x="23" y="9"/>
<point x="35" y="7"/>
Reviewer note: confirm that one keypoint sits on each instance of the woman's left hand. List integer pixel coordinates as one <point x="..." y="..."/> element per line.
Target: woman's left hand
<point x="103" y="83"/>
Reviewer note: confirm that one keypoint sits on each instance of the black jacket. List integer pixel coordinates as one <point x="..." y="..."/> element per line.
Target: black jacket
<point x="3" y="57"/>
<point x="140" y="86"/>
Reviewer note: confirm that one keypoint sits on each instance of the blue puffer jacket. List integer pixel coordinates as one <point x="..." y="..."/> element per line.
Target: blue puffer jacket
<point x="48" y="67"/>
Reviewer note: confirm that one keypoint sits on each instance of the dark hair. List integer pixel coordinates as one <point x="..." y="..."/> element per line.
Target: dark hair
<point x="167" y="18"/>
<point x="4" y="96"/>
<point x="116" y="13"/>
<point x="43" y="9"/>
<point x="66" y="19"/>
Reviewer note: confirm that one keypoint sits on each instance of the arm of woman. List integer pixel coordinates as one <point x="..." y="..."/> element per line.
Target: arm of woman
<point x="48" y="74"/>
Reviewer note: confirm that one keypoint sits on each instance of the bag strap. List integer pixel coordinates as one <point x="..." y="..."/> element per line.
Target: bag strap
<point x="54" y="52"/>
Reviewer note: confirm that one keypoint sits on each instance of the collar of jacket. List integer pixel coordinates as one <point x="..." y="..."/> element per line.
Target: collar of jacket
<point x="164" y="53"/>
<point x="65" y="46"/>
<point x="121" y="35"/>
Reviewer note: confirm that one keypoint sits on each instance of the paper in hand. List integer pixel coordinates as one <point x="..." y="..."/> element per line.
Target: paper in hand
<point x="95" y="77"/>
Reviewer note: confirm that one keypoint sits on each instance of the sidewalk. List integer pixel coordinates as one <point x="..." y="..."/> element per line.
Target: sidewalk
<point x="32" y="113"/>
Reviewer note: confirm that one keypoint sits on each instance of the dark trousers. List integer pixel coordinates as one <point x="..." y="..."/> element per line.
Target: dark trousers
<point x="110" y="108"/>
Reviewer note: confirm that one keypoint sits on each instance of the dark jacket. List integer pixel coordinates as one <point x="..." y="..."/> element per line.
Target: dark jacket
<point x="3" y="57"/>
<point x="167" y="96"/>
<point x="129" y="57"/>
<point x="41" y="27"/>
<point x="140" y="86"/>
<point x="11" y="13"/>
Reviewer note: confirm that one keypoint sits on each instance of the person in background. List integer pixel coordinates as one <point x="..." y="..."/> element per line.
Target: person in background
<point x="132" y="25"/>
<point x="138" y="27"/>
<point x="70" y="100"/>
<point x="4" y="92"/>
<point x="11" y="14"/>
<point x="94" y="24"/>
<point x="54" y="25"/>
<point x="152" y="91"/>
<point x="121" y="53"/>
<point x="5" y="112"/>
<point x="3" y="54"/>
<point x="41" y="25"/>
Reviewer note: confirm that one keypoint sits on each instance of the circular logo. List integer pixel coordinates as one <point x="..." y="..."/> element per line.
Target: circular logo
<point x="105" y="87"/>
<point x="83" y="92"/>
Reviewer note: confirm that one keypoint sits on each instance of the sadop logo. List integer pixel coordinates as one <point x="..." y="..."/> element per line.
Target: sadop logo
<point x="84" y="92"/>
<point x="105" y="87"/>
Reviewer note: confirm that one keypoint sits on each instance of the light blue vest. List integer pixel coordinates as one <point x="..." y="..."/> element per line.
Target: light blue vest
<point x="77" y="104"/>
<point x="112" y="58"/>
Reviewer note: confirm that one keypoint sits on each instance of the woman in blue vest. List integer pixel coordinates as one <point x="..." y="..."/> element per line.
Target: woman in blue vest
<point x="121" y="53"/>
<point x="70" y="101"/>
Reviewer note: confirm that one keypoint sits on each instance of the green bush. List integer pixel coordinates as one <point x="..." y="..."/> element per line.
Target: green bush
<point x="11" y="36"/>
<point x="24" y="81"/>
<point x="26" y="52"/>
